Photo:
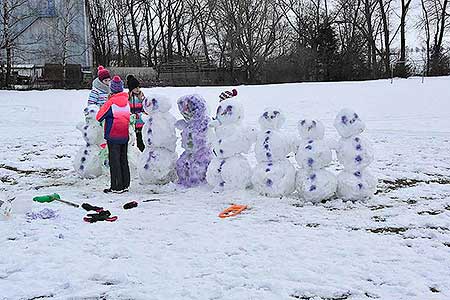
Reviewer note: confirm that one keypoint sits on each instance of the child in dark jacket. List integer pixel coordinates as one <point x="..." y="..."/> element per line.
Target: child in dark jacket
<point x="116" y="114"/>
<point x="136" y="98"/>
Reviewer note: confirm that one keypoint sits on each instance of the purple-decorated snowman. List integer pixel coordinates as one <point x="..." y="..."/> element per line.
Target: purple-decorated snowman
<point x="193" y="163"/>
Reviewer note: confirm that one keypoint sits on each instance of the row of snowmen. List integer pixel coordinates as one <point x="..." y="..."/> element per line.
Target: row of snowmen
<point x="215" y="151"/>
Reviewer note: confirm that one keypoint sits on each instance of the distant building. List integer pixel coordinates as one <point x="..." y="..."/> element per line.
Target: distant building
<point x="52" y="31"/>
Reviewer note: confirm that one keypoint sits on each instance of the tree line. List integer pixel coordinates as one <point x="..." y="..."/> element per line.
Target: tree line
<point x="266" y="40"/>
<point x="273" y="40"/>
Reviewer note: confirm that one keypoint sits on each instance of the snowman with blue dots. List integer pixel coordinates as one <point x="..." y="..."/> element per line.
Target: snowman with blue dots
<point x="231" y="141"/>
<point x="87" y="162"/>
<point x="355" y="153"/>
<point x="157" y="162"/>
<point x="274" y="175"/>
<point x="314" y="182"/>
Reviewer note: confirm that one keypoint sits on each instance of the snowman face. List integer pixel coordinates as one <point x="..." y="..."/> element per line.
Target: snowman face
<point x="186" y="109"/>
<point x="229" y="112"/>
<point x="348" y="123"/>
<point x="156" y="103"/>
<point x="271" y="118"/>
<point x="311" y="129"/>
<point x="192" y="107"/>
<point x="90" y="112"/>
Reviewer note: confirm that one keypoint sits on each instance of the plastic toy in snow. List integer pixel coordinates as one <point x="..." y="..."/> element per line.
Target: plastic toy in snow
<point x="229" y="168"/>
<point x="157" y="162"/>
<point x="87" y="162"/>
<point x="274" y="175"/>
<point x="191" y="166"/>
<point x="232" y="211"/>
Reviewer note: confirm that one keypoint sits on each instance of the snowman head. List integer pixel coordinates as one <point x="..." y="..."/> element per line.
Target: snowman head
<point x="156" y="103"/>
<point x="192" y="107"/>
<point x="230" y="111"/>
<point x="311" y="129"/>
<point x="271" y="118"/>
<point x="90" y="112"/>
<point x="348" y="123"/>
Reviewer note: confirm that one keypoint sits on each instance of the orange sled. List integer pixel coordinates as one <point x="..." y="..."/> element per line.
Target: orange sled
<point x="232" y="211"/>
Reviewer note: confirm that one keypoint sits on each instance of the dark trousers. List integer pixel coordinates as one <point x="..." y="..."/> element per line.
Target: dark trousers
<point x="118" y="166"/>
<point x="140" y="143"/>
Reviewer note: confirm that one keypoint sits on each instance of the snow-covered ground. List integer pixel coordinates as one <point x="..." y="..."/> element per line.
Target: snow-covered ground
<point x="395" y="246"/>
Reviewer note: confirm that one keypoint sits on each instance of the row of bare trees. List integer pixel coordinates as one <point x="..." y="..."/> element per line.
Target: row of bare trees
<point x="268" y="40"/>
<point x="299" y="39"/>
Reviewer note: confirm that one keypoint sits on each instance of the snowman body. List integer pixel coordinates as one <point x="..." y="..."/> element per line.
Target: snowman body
<point x="274" y="175"/>
<point x="157" y="162"/>
<point x="87" y="162"/>
<point x="229" y="168"/>
<point x="314" y="183"/>
<point x="355" y="153"/>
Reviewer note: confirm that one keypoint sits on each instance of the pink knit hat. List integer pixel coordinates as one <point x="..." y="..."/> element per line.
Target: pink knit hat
<point x="102" y="73"/>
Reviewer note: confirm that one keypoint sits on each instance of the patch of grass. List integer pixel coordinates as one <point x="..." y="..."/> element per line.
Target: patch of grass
<point x="343" y="296"/>
<point x="430" y="212"/>
<point x="379" y="219"/>
<point x="396" y="230"/>
<point x="392" y="185"/>
<point x="378" y="207"/>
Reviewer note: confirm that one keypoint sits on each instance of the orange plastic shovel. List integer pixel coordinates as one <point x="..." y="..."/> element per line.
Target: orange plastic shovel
<point x="232" y="211"/>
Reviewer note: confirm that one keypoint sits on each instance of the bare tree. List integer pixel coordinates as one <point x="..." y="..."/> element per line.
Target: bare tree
<point x="14" y="14"/>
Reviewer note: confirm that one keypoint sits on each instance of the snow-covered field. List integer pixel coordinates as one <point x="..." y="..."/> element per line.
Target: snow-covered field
<point x="395" y="246"/>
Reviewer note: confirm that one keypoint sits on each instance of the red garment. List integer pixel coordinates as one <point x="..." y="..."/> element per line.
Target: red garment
<point x="116" y="113"/>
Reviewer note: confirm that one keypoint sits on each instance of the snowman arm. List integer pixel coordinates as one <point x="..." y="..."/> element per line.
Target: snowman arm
<point x="181" y="124"/>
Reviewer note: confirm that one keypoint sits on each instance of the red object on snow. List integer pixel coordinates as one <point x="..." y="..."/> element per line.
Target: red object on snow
<point x="228" y="94"/>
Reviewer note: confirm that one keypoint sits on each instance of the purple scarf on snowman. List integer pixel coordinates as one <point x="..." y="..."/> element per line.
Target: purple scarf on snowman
<point x="193" y="163"/>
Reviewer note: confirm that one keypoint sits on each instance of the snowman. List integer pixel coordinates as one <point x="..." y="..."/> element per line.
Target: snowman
<point x="157" y="162"/>
<point x="229" y="169"/>
<point x="274" y="175"/>
<point x="192" y="165"/>
<point x="355" y="153"/>
<point x="314" y="182"/>
<point x="87" y="162"/>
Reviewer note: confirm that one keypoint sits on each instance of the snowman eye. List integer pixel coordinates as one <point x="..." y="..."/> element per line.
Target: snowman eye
<point x="314" y="123"/>
<point x="344" y="119"/>
<point x="266" y="115"/>
<point x="276" y="113"/>
<point x="303" y="122"/>
<point x="92" y="111"/>
<point x="356" y="116"/>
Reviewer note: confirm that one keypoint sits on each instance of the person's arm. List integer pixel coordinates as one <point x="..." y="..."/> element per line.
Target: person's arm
<point x="93" y="97"/>
<point x="103" y="112"/>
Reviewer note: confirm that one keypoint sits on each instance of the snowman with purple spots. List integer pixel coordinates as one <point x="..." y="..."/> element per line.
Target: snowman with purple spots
<point x="355" y="153"/>
<point x="157" y="163"/>
<point x="314" y="182"/>
<point x="274" y="175"/>
<point x="231" y="140"/>
<point x="87" y="162"/>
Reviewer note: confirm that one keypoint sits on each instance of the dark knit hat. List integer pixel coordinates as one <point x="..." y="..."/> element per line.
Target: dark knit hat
<point x="132" y="82"/>
<point x="102" y="73"/>
<point x="116" y="85"/>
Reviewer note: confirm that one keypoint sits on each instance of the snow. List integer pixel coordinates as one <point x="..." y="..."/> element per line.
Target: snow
<point x="394" y="246"/>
